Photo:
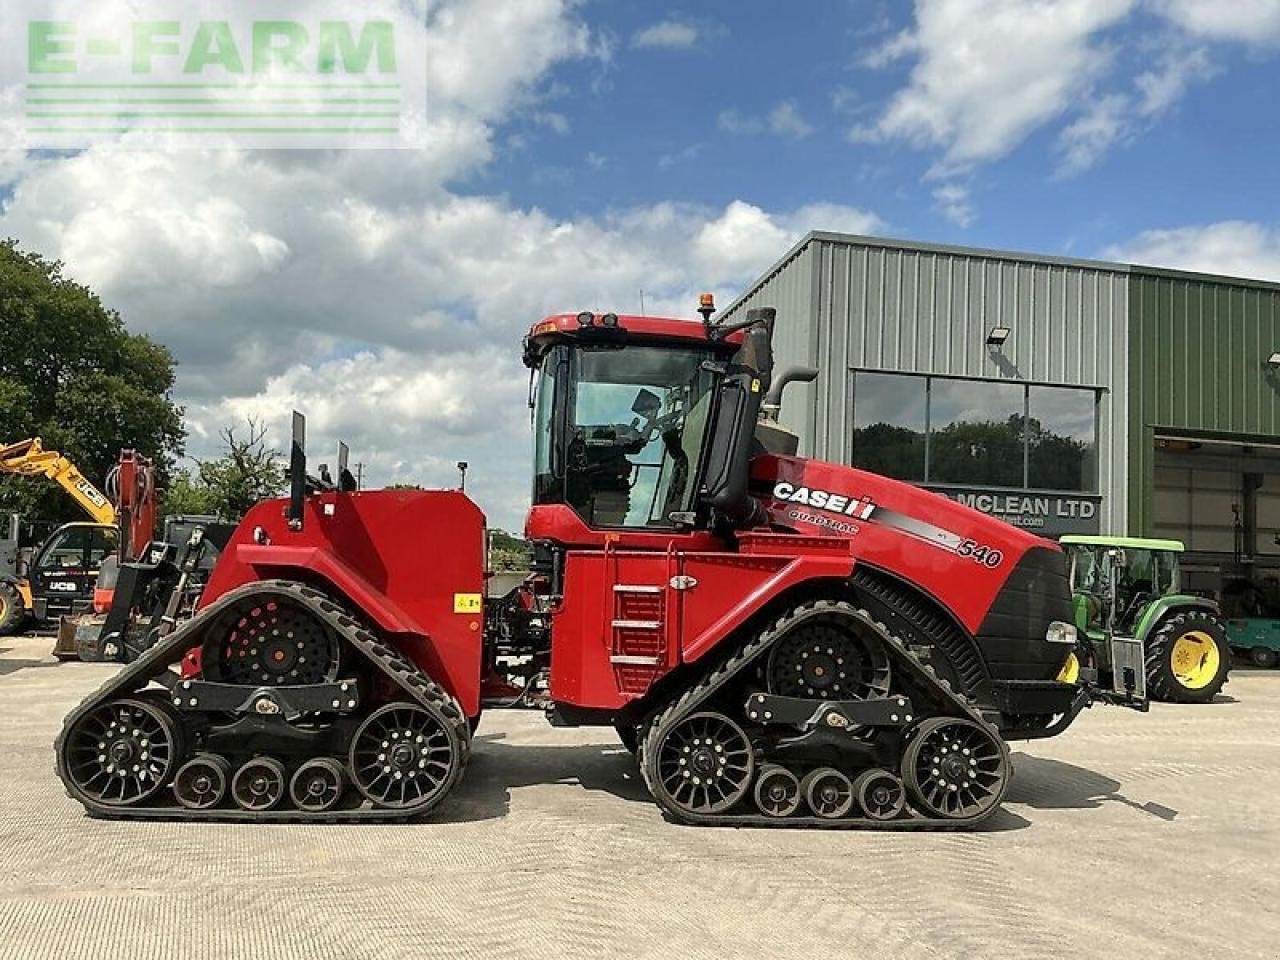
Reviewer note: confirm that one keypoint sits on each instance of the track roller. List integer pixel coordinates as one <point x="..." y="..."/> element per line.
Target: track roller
<point x="880" y="795"/>
<point x="954" y="768"/>
<point x="777" y="792"/>
<point x="828" y="793"/>
<point x="201" y="782"/>
<point x="122" y="752"/>
<point x="317" y="785"/>
<point x="258" y="784"/>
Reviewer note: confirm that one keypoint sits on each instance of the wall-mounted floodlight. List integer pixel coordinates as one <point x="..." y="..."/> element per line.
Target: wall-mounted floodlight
<point x="998" y="336"/>
<point x="1273" y="361"/>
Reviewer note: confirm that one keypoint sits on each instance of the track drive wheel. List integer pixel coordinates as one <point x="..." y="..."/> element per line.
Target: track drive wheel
<point x="269" y="641"/>
<point x="317" y="785"/>
<point x="828" y="793"/>
<point x="954" y="768"/>
<point x="123" y="751"/>
<point x="777" y="792"/>
<point x="201" y="782"/>
<point x="703" y="765"/>
<point x="12" y="609"/>
<point x="879" y="794"/>
<point x="259" y="784"/>
<point x="405" y="756"/>
<point x="1187" y="658"/>
<point x="827" y="655"/>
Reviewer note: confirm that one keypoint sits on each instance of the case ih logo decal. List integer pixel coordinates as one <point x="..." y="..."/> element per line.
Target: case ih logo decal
<point x="840" y="505"/>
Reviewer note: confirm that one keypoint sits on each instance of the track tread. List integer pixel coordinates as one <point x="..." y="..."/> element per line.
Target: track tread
<point x="393" y="664"/>
<point x="717" y="677"/>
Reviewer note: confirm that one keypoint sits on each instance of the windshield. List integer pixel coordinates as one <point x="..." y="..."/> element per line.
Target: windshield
<point x="618" y="432"/>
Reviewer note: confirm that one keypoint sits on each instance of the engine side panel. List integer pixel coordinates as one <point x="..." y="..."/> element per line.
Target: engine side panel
<point x="1004" y="585"/>
<point x="412" y="561"/>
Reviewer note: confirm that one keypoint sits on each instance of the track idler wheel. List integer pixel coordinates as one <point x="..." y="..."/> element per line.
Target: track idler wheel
<point x="954" y="768"/>
<point x="704" y="764"/>
<point x="777" y="792"/>
<point x="259" y="784"/>
<point x="317" y="785"/>
<point x="201" y="782"/>
<point x="123" y="751"/>
<point x="879" y="794"/>
<point x="828" y="793"/>
<point x="405" y="756"/>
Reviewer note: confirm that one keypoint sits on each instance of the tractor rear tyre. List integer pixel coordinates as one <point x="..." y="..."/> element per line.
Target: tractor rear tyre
<point x="12" y="609"/>
<point x="1187" y="658"/>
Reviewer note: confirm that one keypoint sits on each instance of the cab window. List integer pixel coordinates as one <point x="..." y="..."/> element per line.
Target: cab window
<point x="78" y="548"/>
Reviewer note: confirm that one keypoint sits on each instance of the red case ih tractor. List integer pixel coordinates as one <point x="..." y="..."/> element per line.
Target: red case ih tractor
<point x="781" y="641"/>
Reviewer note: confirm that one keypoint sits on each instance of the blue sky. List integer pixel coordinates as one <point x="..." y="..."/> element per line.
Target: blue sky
<point x="686" y="116"/>
<point x="579" y="151"/>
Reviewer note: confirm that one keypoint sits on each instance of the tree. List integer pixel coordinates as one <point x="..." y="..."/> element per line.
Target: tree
<point x="71" y="374"/>
<point x="249" y="471"/>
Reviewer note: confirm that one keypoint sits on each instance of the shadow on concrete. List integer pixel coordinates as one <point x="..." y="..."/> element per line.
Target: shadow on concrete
<point x="1044" y="784"/>
<point x="497" y="767"/>
<point x="13" y="666"/>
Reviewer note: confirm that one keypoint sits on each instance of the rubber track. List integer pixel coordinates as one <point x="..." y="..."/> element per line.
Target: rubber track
<point x="695" y="696"/>
<point x="933" y="626"/>
<point x="393" y="665"/>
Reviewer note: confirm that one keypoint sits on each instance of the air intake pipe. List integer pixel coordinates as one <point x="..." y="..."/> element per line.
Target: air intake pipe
<point x="746" y="382"/>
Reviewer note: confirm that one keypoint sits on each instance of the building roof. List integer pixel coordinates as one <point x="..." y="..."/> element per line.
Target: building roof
<point x="889" y="243"/>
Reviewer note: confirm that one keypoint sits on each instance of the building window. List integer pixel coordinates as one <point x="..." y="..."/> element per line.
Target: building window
<point x="976" y="433"/>
<point x="1062" y="439"/>
<point x="889" y="424"/>
<point x="986" y="433"/>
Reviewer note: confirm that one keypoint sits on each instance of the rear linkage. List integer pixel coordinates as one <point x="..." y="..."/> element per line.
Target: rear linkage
<point x="135" y="753"/>
<point x="925" y="760"/>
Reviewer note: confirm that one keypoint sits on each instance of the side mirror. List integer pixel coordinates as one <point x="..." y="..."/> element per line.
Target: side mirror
<point x="647" y="404"/>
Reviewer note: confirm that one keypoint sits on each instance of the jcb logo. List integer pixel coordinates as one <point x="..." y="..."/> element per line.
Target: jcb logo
<point x="86" y="490"/>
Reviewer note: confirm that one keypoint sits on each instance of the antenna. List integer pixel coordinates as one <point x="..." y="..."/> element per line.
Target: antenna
<point x="642" y="313"/>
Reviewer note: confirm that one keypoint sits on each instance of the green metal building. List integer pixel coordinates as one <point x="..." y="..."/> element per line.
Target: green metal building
<point x="1065" y="396"/>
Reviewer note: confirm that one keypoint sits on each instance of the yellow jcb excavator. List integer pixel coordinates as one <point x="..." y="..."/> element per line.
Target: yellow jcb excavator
<point x="61" y="576"/>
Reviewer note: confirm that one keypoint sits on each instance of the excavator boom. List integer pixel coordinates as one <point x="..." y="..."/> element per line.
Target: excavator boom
<point x="28" y="458"/>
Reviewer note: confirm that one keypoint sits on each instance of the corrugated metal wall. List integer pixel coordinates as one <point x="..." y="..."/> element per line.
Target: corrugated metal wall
<point x="1198" y="365"/>
<point x="915" y="308"/>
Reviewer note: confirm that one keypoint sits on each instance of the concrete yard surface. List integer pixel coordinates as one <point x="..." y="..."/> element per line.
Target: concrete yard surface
<point x="1130" y="836"/>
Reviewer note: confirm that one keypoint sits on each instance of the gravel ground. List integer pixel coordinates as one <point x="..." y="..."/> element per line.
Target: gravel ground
<point x="1130" y="836"/>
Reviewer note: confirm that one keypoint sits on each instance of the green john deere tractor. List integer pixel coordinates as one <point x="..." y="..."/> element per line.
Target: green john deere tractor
<point x="1128" y="587"/>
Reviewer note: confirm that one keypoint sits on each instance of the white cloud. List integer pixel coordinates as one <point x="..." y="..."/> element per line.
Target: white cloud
<point x="281" y="283"/>
<point x="954" y="201"/>
<point x="782" y="120"/>
<point x="1099" y="127"/>
<point x="1119" y="118"/>
<point x="1249" y="21"/>
<point x="667" y="35"/>
<point x="1235" y="248"/>
<point x="989" y="72"/>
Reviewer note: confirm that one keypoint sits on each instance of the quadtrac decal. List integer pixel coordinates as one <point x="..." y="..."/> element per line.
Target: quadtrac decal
<point x="840" y="512"/>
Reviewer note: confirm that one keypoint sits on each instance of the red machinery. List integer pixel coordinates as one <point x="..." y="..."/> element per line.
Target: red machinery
<point x="780" y="640"/>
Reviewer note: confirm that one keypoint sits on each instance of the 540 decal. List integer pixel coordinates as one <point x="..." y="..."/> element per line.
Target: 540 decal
<point x="978" y="553"/>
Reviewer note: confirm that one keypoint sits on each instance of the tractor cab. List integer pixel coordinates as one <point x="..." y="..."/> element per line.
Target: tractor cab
<point x="621" y="415"/>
